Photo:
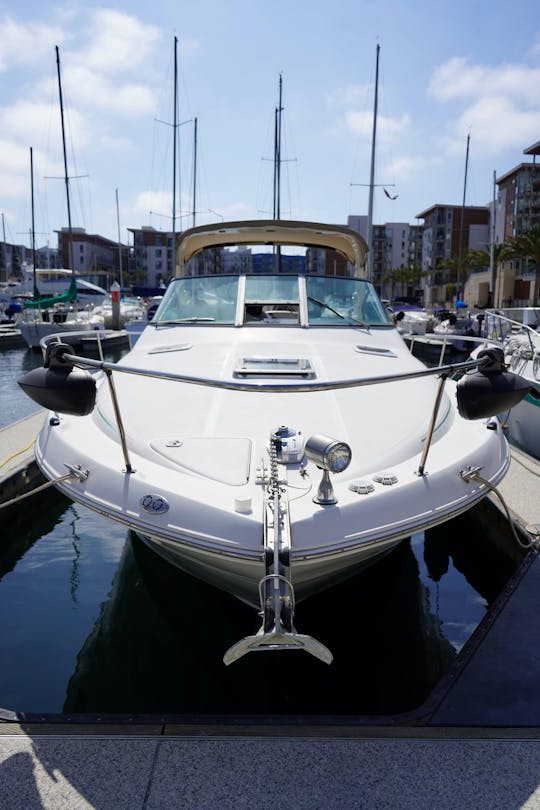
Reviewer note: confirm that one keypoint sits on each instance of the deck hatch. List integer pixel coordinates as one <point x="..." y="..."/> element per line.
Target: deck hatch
<point x="274" y="366"/>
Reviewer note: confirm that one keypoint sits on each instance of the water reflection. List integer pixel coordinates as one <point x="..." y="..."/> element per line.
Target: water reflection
<point x="92" y="621"/>
<point x="158" y="644"/>
<point x="54" y="574"/>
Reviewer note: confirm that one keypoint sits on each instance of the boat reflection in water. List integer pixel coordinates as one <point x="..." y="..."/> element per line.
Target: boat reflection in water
<point x="156" y="647"/>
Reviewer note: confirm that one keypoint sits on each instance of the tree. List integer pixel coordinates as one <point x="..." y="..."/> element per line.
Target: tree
<point x="482" y="258"/>
<point x="526" y="248"/>
<point x="454" y="264"/>
<point x="406" y="274"/>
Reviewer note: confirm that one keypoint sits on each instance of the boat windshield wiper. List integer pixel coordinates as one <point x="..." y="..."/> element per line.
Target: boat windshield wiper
<point x="347" y="318"/>
<point x="193" y="319"/>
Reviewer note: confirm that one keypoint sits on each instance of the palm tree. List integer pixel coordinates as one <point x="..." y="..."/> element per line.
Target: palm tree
<point x="482" y="258"/>
<point x="526" y="247"/>
<point x="406" y="274"/>
<point x="466" y="263"/>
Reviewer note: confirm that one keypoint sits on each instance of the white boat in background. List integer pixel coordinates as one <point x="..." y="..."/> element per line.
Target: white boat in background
<point x="515" y="332"/>
<point x="37" y="324"/>
<point x="51" y="282"/>
<point x="411" y="321"/>
<point x="270" y="433"/>
<point x="131" y="309"/>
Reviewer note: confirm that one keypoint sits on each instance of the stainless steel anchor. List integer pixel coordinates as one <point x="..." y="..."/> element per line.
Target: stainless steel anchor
<point x="276" y="591"/>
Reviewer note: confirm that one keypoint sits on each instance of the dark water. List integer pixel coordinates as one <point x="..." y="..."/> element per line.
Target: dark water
<point x="92" y="621"/>
<point x="14" y="405"/>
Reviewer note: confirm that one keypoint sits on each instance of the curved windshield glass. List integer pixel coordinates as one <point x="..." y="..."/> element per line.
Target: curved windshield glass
<point x="332" y="299"/>
<point x="200" y="298"/>
<point x="271" y="299"/>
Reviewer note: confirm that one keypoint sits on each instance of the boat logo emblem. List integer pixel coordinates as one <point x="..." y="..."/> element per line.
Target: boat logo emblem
<point x="154" y="504"/>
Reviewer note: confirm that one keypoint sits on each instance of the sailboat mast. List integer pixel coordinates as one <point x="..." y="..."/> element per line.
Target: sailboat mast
<point x="277" y="153"/>
<point x="369" y="235"/>
<point x="4" y="252"/>
<point x="461" y="224"/>
<point x="120" y="267"/>
<point x="194" y="169"/>
<point x="175" y="128"/>
<point x="491" y="301"/>
<point x="33" y="239"/>
<point x="66" y="175"/>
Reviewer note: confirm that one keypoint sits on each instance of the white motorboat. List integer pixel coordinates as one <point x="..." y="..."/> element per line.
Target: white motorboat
<point x="36" y="324"/>
<point x="270" y="433"/>
<point x="515" y="332"/>
<point x="130" y="309"/>
<point x="413" y="321"/>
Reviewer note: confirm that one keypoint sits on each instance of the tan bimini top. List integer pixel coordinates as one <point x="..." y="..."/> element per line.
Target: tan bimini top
<point x="272" y="232"/>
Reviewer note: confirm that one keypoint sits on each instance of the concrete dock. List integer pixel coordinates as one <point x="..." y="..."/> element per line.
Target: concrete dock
<point x="475" y="743"/>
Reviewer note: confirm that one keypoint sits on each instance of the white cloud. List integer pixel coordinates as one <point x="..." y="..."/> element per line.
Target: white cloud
<point x="361" y="123"/>
<point x="26" y="43"/>
<point x="14" y="165"/>
<point x="349" y="96"/>
<point x="28" y="122"/>
<point x="495" y="123"/>
<point x="501" y="104"/>
<point x="94" y="90"/>
<point x="119" y="42"/>
<point x="458" y="78"/>
<point x="157" y="202"/>
<point x="405" y="168"/>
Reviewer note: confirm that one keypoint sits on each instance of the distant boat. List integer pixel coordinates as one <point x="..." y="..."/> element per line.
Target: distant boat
<point x="46" y="314"/>
<point x="52" y="282"/>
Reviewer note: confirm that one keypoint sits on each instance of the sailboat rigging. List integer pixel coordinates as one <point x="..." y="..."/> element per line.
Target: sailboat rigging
<point x="461" y="222"/>
<point x="372" y="185"/>
<point x="70" y="296"/>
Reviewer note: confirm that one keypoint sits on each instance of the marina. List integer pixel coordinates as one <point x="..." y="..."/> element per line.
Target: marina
<point x="129" y="649"/>
<point x="269" y="456"/>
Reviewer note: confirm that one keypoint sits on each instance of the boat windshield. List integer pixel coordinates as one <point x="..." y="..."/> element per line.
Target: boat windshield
<point x="199" y="298"/>
<point x="335" y="299"/>
<point x="270" y="298"/>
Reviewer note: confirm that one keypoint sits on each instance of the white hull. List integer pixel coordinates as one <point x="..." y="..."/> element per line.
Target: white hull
<point x="33" y="332"/>
<point x="203" y="534"/>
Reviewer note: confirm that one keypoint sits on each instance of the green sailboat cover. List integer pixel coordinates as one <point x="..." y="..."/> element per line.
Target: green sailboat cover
<point x="42" y="302"/>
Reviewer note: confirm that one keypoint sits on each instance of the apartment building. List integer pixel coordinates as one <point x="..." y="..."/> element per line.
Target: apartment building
<point x="394" y="246"/>
<point x="98" y="259"/>
<point x="449" y="231"/>
<point x="153" y="256"/>
<point x="517" y="210"/>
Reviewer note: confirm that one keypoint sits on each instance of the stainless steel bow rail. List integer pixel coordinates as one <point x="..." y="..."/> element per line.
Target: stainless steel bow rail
<point x="275" y="388"/>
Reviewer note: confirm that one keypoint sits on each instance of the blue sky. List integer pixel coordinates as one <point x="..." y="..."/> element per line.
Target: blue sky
<point x="447" y="70"/>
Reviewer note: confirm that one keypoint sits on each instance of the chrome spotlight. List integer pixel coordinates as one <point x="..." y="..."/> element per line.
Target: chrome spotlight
<point x="329" y="455"/>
